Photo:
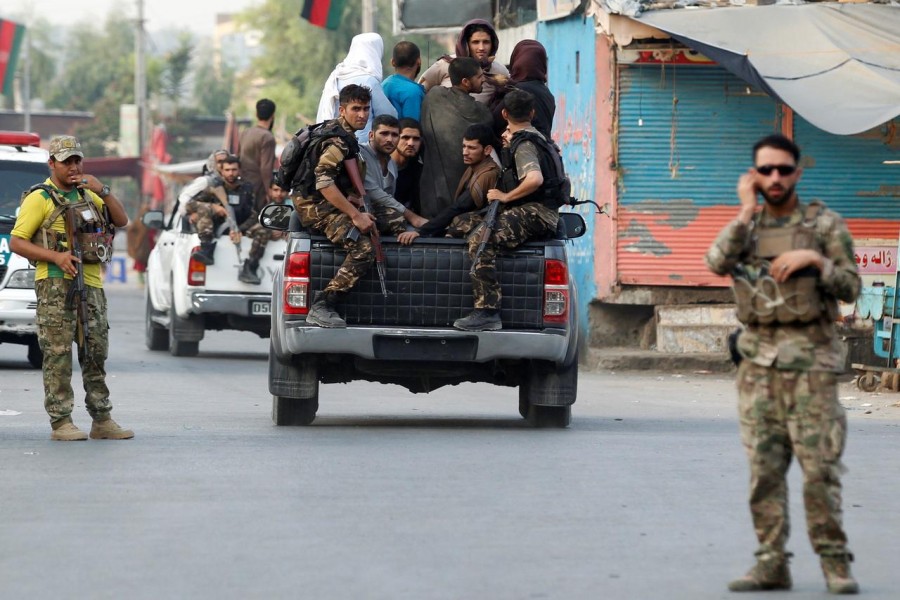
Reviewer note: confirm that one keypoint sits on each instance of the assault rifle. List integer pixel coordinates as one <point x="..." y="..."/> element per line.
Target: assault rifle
<point x="76" y="297"/>
<point x="219" y="193"/>
<point x="484" y="234"/>
<point x="352" y="168"/>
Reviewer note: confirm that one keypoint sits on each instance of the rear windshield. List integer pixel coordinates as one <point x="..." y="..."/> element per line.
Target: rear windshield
<point x="15" y="178"/>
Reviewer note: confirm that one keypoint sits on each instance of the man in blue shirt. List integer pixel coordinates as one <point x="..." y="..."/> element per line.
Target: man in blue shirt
<point x="400" y="88"/>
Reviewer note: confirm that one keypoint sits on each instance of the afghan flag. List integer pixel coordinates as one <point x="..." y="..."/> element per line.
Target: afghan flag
<point x="323" y="13"/>
<point x="11" y="36"/>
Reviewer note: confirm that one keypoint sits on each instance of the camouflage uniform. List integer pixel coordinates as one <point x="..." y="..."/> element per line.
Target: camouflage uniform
<point x="788" y="393"/>
<point x="246" y="216"/>
<point x="516" y="224"/>
<point x="317" y="213"/>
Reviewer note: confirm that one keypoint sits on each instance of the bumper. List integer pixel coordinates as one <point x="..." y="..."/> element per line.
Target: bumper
<point x="17" y="312"/>
<point x="551" y="345"/>
<point x="229" y="304"/>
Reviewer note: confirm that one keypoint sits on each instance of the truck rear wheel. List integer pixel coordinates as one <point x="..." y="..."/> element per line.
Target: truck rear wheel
<point x="35" y="354"/>
<point x="155" y="335"/>
<point x="179" y="347"/>
<point x="294" y="411"/>
<point x="295" y="389"/>
<point x="547" y="392"/>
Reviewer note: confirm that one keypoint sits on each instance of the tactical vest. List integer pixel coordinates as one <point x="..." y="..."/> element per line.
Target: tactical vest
<point x="556" y="188"/>
<point x="93" y="230"/>
<point x="799" y="300"/>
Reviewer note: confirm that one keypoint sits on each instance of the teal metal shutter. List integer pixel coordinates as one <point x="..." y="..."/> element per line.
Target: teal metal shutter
<point x="685" y="136"/>
<point x="856" y="175"/>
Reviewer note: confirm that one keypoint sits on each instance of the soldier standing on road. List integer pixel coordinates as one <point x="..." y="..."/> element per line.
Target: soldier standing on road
<point x="41" y="238"/>
<point x="257" y="151"/>
<point x="329" y="205"/>
<point x="524" y="215"/>
<point x="791" y="263"/>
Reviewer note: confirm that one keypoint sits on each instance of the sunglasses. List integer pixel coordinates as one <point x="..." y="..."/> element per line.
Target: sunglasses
<point x="783" y="170"/>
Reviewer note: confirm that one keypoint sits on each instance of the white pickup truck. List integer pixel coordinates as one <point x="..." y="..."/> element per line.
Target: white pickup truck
<point x="22" y="164"/>
<point x="185" y="298"/>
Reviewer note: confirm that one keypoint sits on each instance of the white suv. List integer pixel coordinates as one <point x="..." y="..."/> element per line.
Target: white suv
<point x="22" y="164"/>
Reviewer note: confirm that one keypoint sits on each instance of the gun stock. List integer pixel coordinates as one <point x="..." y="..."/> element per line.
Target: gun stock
<point x="76" y="297"/>
<point x="487" y="228"/>
<point x="352" y="167"/>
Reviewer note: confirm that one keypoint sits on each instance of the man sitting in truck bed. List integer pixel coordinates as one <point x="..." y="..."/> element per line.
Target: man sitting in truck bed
<point x="207" y="212"/>
<point x="328" y="205"/>
<point x="526" y="213"/>
<point x="481" y="175"/>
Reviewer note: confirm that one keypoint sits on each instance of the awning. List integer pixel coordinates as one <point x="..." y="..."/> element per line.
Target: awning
<point x="837" y="65"/>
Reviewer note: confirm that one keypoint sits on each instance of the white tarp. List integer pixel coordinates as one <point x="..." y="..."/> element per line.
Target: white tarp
<point x="836" y="65"/>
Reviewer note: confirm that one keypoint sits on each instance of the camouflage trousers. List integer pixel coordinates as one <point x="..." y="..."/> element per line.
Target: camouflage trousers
<point x="56" y="332"/>
<point x="783" y="414"/>
<point x="515" y="226"/>
<point x="325" y="218"/>
<point x="208" y="221"/>
<point x="462" y="225"/>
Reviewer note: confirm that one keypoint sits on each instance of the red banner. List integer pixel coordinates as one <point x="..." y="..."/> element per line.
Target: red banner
<point x="11" y="36"/>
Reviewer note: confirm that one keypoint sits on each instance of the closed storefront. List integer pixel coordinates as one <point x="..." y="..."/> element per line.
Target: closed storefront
<point x="684" y="136"/>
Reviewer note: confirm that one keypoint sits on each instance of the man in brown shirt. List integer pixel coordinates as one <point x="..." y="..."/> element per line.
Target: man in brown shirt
<point x="257" y="151"/>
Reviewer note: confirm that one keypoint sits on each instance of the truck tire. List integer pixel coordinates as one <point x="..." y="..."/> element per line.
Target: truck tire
<point x="294" y="411"/>
<point x="35" y="355"/>
<point x="295" y="389"/>
<point x="547" y="392"/>
<point x="155" y="335"/>
<point x="180" y="347"/>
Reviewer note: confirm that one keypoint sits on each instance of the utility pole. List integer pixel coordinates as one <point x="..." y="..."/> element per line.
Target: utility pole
<point x="140" y="78"/>
<point x="26" y="81"/>
<point x="368" y="16"/>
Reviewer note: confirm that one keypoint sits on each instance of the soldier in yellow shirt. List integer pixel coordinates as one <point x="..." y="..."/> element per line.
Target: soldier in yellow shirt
<point x="40" y="235"/>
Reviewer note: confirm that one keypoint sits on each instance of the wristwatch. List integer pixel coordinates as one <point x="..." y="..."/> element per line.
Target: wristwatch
<point x="104" y="191"/>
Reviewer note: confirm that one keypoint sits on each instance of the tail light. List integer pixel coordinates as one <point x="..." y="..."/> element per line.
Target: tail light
<point x="556" y="292"/>
<point x="296" y="284"/>
<point x="196" y="274"/>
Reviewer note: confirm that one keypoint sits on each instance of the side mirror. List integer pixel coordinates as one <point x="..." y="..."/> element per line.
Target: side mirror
<point x="276" y="216"/>
<point x="571" y="225"/>
<point x="153" y="219"/>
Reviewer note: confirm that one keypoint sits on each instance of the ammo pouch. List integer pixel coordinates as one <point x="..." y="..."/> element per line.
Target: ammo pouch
<point x="96" y="245"/>
<point x="760" y="299"/>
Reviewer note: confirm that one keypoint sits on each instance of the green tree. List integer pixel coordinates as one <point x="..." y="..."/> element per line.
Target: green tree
<point x="176" y="66"/>
<point x="98" y="76"/>
<point x="213" y="89"/>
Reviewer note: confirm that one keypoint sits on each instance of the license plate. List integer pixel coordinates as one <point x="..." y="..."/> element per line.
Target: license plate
<point x="261" y="308"/>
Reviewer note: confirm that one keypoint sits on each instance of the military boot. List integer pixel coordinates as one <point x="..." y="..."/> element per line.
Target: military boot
<point x="67" y="432"/>
<point x="109" y="430"/>
<point x="480" y="319"/>
<point x="838" y="578"/>
<point x="770" y="572"/>
<point x="206" y="253"/>
<point x="248" y="272"/>
<point x="324" y="313"/>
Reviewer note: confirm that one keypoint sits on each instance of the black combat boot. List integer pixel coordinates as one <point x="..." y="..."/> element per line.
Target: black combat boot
<point x="206" y="253"/>
<point x="248" y="272"/>
<point x="323" y="312"/>
<point x="480" y="319"/>
<point x="771" y="572"/>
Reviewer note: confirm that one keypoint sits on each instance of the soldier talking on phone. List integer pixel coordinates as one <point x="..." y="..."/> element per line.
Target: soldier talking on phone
<point x="791" y="262"/>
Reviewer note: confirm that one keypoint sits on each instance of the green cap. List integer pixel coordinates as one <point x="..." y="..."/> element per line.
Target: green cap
<point x="64" y="146"/>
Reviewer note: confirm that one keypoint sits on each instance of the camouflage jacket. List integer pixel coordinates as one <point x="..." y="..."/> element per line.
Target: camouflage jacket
<point x="329" y="168"/>
<point x="811" y="346"/>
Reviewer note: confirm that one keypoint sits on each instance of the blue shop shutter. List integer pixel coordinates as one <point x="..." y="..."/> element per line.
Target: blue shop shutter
<point x="685" y="136"/>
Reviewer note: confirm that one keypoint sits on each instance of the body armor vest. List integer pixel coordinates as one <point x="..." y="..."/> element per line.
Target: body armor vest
<point x="92" y="229"/>
<point x="760" y="299"/>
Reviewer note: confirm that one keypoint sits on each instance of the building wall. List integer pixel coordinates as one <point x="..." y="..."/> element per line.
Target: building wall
<point x="570" y="45"/>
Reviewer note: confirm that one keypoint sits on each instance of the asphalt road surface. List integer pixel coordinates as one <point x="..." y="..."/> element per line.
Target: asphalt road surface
<point x="390" y="495"/>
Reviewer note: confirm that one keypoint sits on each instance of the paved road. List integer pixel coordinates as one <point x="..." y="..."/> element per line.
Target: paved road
<point x="391" y="495"/>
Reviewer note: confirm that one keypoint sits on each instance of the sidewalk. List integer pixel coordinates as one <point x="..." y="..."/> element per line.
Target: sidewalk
<point x="634" y="359"/>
